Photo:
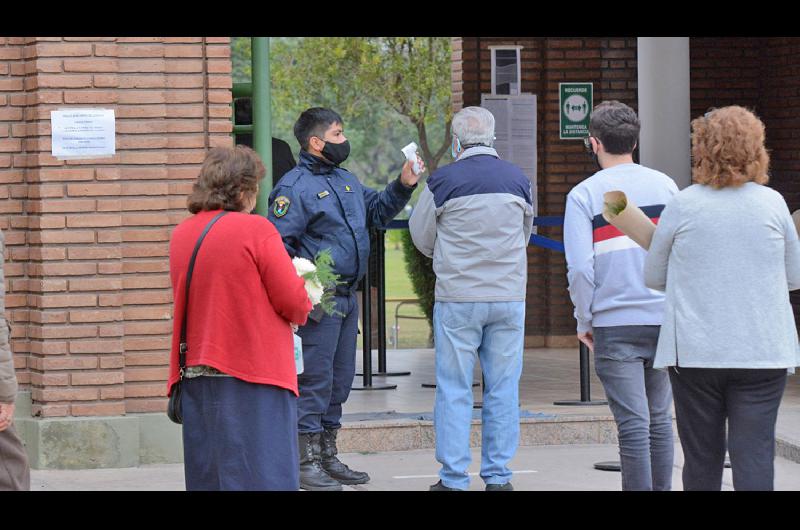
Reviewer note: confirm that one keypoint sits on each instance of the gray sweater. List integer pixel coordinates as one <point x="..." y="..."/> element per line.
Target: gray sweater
<point x="604" y="266"/>
<point x="727" y="260"/>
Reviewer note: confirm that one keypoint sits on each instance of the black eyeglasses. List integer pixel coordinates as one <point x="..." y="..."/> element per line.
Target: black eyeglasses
<point x="588" y="144"/>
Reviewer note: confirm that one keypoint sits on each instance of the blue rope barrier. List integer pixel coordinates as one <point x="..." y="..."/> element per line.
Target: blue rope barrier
<point x="546" y="242"/>
<point x="539" y="241"/>
<point x="396" y="224"/>
<point x="551" y="220"/>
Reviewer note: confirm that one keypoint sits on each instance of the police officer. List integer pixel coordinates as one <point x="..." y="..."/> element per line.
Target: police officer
<point x="320" y="205"/>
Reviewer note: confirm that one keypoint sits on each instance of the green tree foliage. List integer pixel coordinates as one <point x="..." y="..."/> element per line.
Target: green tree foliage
<point x="412" y="75"/>
<point x="241" y="52"/>
<point x="420" y="270"/>
<point x="389" y="91"/>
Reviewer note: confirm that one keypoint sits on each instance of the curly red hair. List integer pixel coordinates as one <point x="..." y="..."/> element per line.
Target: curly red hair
<point x="728" y="148"/>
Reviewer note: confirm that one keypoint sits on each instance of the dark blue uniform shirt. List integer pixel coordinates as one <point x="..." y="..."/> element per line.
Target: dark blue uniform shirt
<point x="318" y="205"/>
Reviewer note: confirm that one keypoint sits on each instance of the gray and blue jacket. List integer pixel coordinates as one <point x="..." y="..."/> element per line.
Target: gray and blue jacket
<point x="318" y="205"/>
<point x="474" y="218"/>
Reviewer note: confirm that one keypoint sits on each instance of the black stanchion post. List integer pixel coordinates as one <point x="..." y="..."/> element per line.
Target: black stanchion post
<point x="366" y="338"/>
<point x="586" y="391"/>
<point x="381" y="262"/>
<point x="381" y="250"/>
<point x="586" y="398"/>
<point x="479" y="404"/>
<point x="366" y="331"/>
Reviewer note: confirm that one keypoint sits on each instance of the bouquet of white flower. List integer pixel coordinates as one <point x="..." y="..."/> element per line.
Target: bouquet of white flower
<point x="320" y="279"/>
<point x="307" y="270"/>
<point x="320" y="282"/>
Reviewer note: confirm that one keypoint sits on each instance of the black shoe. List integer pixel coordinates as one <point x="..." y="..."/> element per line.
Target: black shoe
<point x="312" y="476"/>
<point x="333" y="466"/>
<point x="441" y="487"/>
<point x="500" y="487"/>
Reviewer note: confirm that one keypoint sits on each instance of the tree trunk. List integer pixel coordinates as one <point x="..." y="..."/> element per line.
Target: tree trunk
<point x="432" y="159"/>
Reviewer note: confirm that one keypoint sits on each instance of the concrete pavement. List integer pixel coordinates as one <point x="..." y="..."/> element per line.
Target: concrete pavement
<point x="537" y="468"/>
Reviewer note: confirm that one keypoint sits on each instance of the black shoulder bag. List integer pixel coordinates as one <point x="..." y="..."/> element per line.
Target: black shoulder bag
<point x="174" y="410"/>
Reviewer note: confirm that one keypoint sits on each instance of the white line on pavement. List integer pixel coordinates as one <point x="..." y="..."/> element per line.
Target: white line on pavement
<point x="471" y="474"/>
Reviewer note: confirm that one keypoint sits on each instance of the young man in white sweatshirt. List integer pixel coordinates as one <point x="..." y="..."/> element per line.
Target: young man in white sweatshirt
<point x="618" y="316"/>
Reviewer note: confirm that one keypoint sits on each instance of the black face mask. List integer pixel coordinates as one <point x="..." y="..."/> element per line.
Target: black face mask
<point x="594" y="157"/>
<point x="596" y="161"/>
<point x="336" y="153"/>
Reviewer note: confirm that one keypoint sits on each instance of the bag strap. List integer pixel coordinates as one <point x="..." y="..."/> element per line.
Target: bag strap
<point x="183" y="348"/>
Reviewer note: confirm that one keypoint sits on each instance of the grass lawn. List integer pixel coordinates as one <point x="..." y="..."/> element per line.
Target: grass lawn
<point x="411" y="333"/>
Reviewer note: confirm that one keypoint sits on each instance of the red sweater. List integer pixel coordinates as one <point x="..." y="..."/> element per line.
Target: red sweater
<point x="244" y="294"/>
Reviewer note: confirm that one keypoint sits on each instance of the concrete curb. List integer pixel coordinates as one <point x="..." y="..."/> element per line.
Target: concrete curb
<point x="787" y="448"/>
<point x="407" y="435"/>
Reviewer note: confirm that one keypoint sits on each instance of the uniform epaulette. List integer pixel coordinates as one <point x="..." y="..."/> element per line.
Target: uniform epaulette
<point x="347" y="171"/>
<point x="290" y="178"/>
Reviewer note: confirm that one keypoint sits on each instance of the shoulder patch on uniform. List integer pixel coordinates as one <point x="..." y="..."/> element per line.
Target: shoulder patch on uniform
<point x="281" y="206"/>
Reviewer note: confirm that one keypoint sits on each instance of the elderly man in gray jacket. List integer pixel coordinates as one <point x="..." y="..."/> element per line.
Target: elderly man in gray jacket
<point x="14" y="470"/>
<point x="474" y="218"/>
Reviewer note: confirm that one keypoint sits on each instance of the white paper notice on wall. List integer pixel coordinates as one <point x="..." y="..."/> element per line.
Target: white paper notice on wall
<point x="83" y="133"/>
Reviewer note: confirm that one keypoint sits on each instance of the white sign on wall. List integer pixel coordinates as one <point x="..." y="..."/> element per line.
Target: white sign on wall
<point x="82" y="133"/>
<point x="515" y="131"/>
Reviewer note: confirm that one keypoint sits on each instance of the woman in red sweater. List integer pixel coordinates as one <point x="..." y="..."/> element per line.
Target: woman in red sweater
<point x="240" y="385"/>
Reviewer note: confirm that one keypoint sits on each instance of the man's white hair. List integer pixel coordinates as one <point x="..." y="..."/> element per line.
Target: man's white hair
<point x="474" y="125"/>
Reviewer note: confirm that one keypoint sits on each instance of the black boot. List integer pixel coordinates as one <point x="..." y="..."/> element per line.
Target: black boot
<point x="333" y="466"/>
<point x="312" y="476"/>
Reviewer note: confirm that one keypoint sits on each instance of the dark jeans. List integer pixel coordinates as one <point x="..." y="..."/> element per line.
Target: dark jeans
<point x="329" y="359"/>
<point x="640" y="399"/>
<point x="749" y="400"/>
<point x="239" y="435"/>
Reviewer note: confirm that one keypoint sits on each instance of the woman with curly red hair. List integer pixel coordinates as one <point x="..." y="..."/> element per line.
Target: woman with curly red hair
<point x="727" y="254"/>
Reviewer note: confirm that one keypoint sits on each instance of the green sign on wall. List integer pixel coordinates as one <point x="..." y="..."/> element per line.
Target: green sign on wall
<point x="575" y="100"/>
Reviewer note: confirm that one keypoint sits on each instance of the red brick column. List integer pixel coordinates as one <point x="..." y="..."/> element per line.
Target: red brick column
<point x="89" y="289"/>
<point x="13" y="195"/>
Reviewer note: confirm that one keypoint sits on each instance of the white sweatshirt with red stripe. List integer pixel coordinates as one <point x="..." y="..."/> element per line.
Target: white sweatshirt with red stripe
<point x="605" y="268"/>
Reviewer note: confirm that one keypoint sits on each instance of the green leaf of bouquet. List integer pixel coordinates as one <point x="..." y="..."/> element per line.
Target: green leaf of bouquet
<point x="616" y="207"/>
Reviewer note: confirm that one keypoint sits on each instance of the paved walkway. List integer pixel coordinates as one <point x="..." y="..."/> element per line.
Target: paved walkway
<point x="541" y="468"/>
<point x="549" y="375"/>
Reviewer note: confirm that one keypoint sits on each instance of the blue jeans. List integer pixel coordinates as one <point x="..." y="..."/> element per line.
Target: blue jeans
<point x="639" y="397"/>
<point x="493" y="332"/>
<point x="329" y="359"/>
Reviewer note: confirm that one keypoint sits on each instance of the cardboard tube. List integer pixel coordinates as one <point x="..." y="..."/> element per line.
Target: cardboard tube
<point x="631" y="221"/>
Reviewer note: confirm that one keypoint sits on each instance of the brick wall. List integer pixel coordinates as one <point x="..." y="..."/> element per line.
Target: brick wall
<point x="13" y="195"/>
<point x="762" y="74"/>
<point x="779" y="107"/>
<point x="610" y="64"/>
<point x="87" y="266"/>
